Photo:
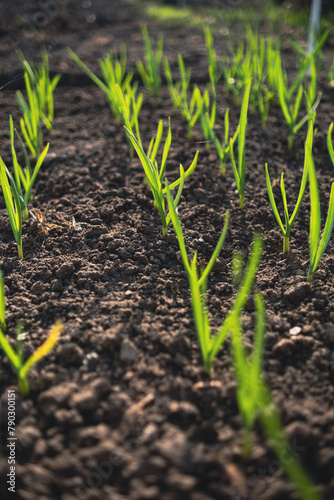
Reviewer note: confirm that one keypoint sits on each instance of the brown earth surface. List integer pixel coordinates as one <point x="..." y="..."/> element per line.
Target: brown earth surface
<point x="122" y="409"/>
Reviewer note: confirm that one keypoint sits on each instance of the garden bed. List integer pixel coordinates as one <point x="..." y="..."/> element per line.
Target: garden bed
<point x="122" y="408"/>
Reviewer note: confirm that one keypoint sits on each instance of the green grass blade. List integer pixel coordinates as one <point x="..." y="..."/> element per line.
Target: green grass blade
<point x="242" y="134"/>
<point x="2" y="305"/>
<point x="187" y="173"/>
<point x="308" y="151"/>
<point x="216" y="252"/>
<point x="241" y="298"/>
<point x="234" y="166"/>
<point x="178" y="229"/>
<point x="148" y="166"/>
<point x="315" y="217"/>
<point x="272" y="201"/>
<point x="34" y="175"/>
<point x="327" y="232"/>
<point x="285" y="206"/>
<point x="89" y="73"/>
<point x="330" y="143"/>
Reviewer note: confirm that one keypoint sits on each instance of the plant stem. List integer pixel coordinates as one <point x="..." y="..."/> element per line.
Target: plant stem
<point x="25" y="214"/>
<point x="285" y="243"/>
<point x="20" y="251"/>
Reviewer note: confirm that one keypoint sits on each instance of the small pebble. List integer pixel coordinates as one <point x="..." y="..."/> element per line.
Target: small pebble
<point x="128" y="351"/>
<point x="295" y="331"/>
<point x="90" y="361"/>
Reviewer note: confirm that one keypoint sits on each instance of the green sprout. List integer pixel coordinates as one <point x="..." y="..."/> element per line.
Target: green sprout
<point x="190" y="107"/>
<point x="114" y="74"/>
<point x="317" y="246"/>
<point x="40" y="80"/>
<point x="208" y="118"/>
<point x="223" y="148"/>
<point x="289" y="221"/>
<point x="209" y="343"/>
<point x="155" y="174"/>
<point x="253" y="59"/>
<point x="240" y="171"/>
<point x="24" y="178"/>
<point x="30" y="123"/>
<point x="254" y="401"/>
<point x="330" y="143"/>
<point x="214" y="73"/>
<point x="178" y="91"/>
<point x="150" y="74"/>
<point x="251" y="394"/>
<point x="20" y="367"/>
<point x="285" y="94"/>
<point x="13" y="205"/>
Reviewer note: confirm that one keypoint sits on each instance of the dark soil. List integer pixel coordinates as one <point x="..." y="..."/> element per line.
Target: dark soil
<point x="122" y="409"/>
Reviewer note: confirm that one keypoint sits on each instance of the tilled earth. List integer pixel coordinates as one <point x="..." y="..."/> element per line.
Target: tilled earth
<point x="122" y="409"/>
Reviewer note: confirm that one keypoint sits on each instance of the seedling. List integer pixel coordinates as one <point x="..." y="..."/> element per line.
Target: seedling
<point x="31" y="122"/>
<point x="251" y="394"/>
<point x="290" y="111"/>
<point x="289" y="221"/>
<point x="223" y="148"/>
<point x="44" y="86"/>
<point x="214" y="72"/>
<point x="253" y="59"/>
<point x="150" y="73"/>
<point x="190" y="108"/>
<point x="20" y="367"/>
<point x="330" y="143"/>
<point x="240" y="171"/>
<point x="208" y="117"/>
<point x="179" y="90"/>
<point x="317" y="246"/>
<point x="23" y="180"/>
<point x="114" y="74"/>
<point x="254" y="401"/>
<point x="285" y="94"/>
<point x="13" y="205"/>
<point x="155" y="174"/>
<point x="209" y="343"/>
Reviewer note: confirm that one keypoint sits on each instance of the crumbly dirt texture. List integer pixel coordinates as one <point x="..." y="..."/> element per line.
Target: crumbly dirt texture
<point x="122" y="409"/>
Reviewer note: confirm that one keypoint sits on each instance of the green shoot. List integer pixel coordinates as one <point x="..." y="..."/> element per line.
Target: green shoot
<point x="330" y="143"/>
<point x="150" y="74"/>
<point x="209" y="343"/>
<point x="208" y="119"/>
<point x="44" y="86"/>
<point x="13" y="205"/>
<point x="317" y="246"/>
<point x="289" y="221"/>
<point x="155" y="174"/>
<point x="214" y="73"/>
<point x="129" y="108"/>
<point x="285" y="94"/>
<point x="23" y="179"/>
<point x="240" y="171"/>
<point x="223" y="148"/>
<point x="254" y="400"/>
<point x="252" y="60"/>
<point x="191" y="108"/>
<point x="273" y="427"/>
<point x="250" y="392"/>
<point x="177" y="91"/>
<point x="114" y="74"/>
<point x="20" y="367"/>
<point x="290" y="112"/>
<point x="2" y="305"/>
<point x="31" y="121"/>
